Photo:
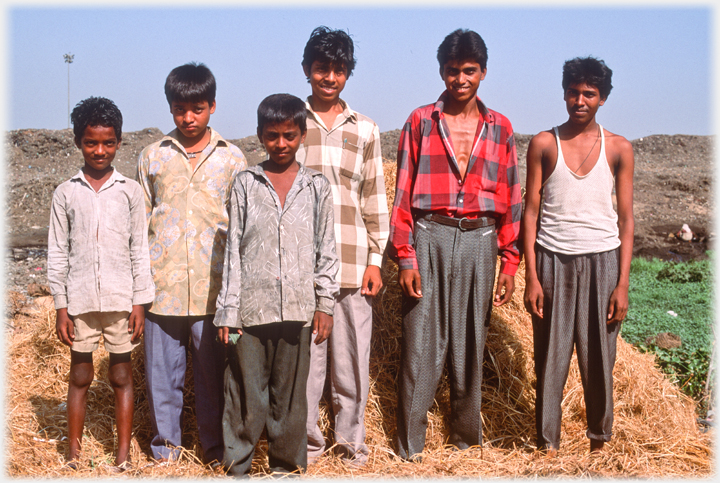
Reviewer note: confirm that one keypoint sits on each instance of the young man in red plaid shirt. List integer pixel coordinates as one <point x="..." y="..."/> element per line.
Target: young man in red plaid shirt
<point x="457" y="204"/>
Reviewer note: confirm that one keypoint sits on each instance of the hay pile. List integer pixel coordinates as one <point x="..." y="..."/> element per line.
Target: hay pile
<point x="655" y="434"/>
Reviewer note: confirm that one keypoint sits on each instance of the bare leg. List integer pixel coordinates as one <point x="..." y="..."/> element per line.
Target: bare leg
<point x="81" y="376"/>
<point x="120" y="375"/>
<point x="596" y="445"/>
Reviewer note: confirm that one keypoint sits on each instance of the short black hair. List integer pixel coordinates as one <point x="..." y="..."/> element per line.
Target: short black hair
<point x="96" y="111"/>
<point x="462" y="45"/>
<point x="329" y="46"/>
<point x="278" y="108"/>
<point x="191" y="82"/>
<point x="588" y="70"/>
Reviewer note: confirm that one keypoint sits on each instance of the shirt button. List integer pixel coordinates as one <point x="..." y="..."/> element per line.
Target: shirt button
<point x="190" y="212"/>
<point x="192" y="271"/>
<point x="191" y="185"/>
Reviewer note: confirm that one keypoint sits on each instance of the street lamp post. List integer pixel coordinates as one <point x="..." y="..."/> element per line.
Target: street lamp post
<point x="68" y="60"/>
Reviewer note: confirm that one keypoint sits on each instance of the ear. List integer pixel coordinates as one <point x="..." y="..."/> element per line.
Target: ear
<point x="302" y="138"/>
<point x="259" y="136"/>
<point x="483" y="73"/>
<point x="77" y="142"/>
<point x="602" y="101"/>
<point x="212" y="107"/>
<point x="306" y="70"/>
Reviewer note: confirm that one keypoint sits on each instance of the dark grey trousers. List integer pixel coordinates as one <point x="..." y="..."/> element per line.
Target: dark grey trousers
<point x="576" y="292"/>
<point x="265" y="384"/>
<point x="457" y="270"/>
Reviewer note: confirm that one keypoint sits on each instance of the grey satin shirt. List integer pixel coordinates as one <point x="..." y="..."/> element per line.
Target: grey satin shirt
<point x="98" y="258"/>
<point x="280" y="263"/>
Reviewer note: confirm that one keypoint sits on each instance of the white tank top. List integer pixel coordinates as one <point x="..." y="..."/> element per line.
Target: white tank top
<point x="577" y="215"/>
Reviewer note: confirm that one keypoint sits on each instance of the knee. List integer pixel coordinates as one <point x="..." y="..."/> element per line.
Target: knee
<point x="120" y="376"/>
<point x="81" y="375"/>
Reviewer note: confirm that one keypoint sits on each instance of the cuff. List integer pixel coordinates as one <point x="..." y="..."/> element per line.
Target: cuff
<point x="146" y="296"/>
<point x="60" y="301"/>
<point x="407" y="264"/>
<point x="227" y="317"/>
<point x="508" y="268"/>
<point x="325" y="305"/>
<point x="375" y="259"/>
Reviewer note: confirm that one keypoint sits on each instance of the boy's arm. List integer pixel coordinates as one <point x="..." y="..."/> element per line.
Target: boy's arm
<point x="58" y="266"/>
<point x="228" y="300"/>
<point x="508" y="229"/>
<point x="142" y="177"/>
<point x="619" y="303"/>
<point x="143" y="285"/>
<point x="374" y="211"/>
<point x="326" y="264"/>
<point x="402" y="225"/>
<point x="533" y="297"/>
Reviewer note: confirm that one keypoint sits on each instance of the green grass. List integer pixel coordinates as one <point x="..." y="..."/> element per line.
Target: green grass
<point x="657" y="287"/>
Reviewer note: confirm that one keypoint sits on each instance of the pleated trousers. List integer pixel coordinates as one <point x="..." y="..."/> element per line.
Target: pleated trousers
<point x="449" y="322"/>
<point x="576" y="291"/>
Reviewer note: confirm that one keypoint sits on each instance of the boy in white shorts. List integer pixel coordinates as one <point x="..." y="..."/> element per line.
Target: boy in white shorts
<point x="99" y="269"/>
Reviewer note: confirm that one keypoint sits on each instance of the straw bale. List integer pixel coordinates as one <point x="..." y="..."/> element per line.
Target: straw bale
<point x="655" y="430"/>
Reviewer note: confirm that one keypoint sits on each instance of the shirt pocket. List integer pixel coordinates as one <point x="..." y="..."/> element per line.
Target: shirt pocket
<point x="116" y="217"/>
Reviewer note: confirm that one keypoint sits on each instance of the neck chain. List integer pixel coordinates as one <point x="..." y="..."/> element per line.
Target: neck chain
<point x="195" y="153"/>
<point x="591" y="150"/>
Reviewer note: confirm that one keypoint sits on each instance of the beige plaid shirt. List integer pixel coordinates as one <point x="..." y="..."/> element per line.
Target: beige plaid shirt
<point x="187" y="221"/>
<point x="349" y="156"/>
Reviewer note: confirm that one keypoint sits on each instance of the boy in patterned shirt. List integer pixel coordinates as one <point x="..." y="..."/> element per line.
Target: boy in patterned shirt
<point x="279" y="280"/>
<point x="345" y="146"/>
<point x="186" y="177"/>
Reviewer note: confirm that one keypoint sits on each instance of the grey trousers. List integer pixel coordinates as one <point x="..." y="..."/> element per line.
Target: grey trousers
<point x="265" y="384"/>
<point x="457" y="270"/>
<point x="349" y="345"/>
<point x="576" y="292"/>
<point x="166" y="343"/>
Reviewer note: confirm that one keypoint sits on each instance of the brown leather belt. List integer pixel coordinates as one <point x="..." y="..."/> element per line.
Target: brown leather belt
<point x="462" y="223"/>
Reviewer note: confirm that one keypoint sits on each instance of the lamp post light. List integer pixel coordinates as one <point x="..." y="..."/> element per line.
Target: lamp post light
<point x="68" y="60"/>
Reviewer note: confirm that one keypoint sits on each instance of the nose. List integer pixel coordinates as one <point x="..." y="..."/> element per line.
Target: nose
<point x="330" y="75"/>
<point x="187" y="117"/>
<point x="100" y="149"/>
<point x="281" y="142"/>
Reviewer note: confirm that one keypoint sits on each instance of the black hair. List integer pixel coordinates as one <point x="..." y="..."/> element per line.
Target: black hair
<point x="329" y="46"/>
<point x="96" y="111"/>
<point x="279" y="108"/>
<point x="462" y="45"/>
<point x="588" y="70"/>
<point x="191" y="82"/>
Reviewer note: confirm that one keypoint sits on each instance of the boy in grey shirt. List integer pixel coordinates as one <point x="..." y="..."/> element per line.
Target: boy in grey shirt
<point x="278" y="285"/>
<point x="99" y="269"/>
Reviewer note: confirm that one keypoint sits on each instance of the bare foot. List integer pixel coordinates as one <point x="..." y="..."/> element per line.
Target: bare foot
<point x="549" y="451"/>
<point x="596" y="446"/>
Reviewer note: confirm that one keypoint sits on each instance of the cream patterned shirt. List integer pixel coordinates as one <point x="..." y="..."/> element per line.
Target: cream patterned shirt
<point x="349" y="155"/>
<point x="187" y="221"/>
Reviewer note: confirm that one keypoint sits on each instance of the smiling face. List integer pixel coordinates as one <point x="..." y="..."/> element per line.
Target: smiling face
<point x="582" y="102"/>
<point x="98" y="145"/>
<point x="462" y="78"/>
<point x="192" y="118"/>
<point x="281" y="141"/>
<point x="327" y="81"/>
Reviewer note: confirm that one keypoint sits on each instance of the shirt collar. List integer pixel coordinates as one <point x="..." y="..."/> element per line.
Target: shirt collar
<point x="439" y="106"/>
<point x="347" y="112"/>
<point x="114" y="177"/>
<point x="303" y="175"/>
<point x="174" y="138"/>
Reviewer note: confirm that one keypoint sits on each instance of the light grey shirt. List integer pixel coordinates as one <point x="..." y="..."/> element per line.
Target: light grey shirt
<point x="280" y="262"/>
<point x="98" y="258"/>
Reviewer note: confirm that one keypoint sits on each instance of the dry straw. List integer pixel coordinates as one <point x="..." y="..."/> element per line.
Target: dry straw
<point x="655" y="433"/>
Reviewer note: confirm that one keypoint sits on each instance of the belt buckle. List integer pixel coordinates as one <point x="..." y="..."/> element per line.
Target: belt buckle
<point x="460" y="223"/>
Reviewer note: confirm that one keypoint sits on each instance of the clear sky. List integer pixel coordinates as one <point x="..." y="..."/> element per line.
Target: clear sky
<point x="661" y="57"/>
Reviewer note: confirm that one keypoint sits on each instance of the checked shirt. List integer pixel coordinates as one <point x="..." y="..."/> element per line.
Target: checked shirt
<point x="428" y="181"/>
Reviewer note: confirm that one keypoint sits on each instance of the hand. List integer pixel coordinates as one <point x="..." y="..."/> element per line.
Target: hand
<point x="64" y="327"/>
<point x="322" y="326"/>
<point x="372" y="281"/>
<point x="504" y="290"/>
<point x="618" y="306"/>
<point x="136" y="322"/>
<point x="223" y="334"/>
<point x="410" y="284"/>
<point x="534" y="297"/>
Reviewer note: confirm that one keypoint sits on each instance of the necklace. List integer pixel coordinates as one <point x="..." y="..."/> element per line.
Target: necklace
<point x="591" y="150"/>
<point x="195" y="153"/>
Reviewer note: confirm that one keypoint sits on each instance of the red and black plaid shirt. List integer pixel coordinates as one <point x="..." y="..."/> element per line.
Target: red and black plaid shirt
<point x="428" y="181"/>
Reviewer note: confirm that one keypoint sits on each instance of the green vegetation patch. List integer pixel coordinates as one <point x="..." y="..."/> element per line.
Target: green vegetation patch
<point x="675" y="298"/>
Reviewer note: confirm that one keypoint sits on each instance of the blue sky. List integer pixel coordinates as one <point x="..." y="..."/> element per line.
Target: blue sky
<point x="661" y="56"/>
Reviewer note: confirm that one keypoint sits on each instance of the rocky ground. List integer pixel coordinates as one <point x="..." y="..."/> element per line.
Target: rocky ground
<point x="673" y="186"/>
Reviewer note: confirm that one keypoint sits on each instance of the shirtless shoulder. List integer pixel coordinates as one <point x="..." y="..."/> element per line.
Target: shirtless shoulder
<point x="618" y="150"/>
